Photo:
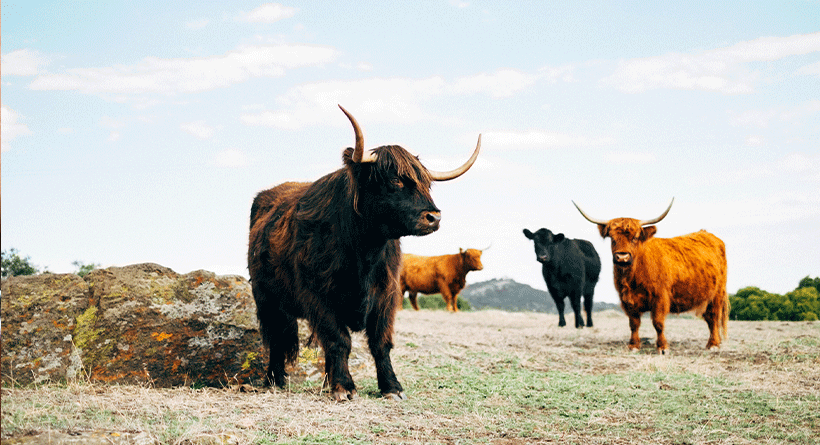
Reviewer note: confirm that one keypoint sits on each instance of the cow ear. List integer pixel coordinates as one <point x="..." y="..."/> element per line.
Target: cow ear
<point x="528" y="234"/>
<point x="558" y="237"/>
<point x="604" y="230"/>
<point x="648" y="232"/>
<point x="460" y="250"/>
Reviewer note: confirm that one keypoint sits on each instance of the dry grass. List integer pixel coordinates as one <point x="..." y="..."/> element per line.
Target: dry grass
<point x="485" y="377"/>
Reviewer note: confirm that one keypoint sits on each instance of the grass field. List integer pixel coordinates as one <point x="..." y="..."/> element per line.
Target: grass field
<point x="484" y="377"/>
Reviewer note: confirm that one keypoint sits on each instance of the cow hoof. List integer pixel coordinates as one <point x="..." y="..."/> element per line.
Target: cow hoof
<point x="663" y="351"/>
<point x="634" y="350"/>
<point x="395" y="397"/>
<point x="344" y="396"/>
<point x="714" y="348"/>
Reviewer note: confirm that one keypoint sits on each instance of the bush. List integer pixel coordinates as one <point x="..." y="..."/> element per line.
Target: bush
<point x="84" y="269"/>
<point x="436" y="302"/>
<point x="13" y="264"/>
<point x="801" y="304"/>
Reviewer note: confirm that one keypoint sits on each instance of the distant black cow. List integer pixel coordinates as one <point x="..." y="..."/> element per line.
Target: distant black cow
<point x="571" y="268"/>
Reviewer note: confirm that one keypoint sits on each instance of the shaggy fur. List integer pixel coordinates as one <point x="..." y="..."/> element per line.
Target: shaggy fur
<point x="668" y="275"/>
<point x="328" y="251"/>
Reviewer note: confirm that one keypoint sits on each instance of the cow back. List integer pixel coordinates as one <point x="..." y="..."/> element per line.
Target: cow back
<point x="690" y="270"/>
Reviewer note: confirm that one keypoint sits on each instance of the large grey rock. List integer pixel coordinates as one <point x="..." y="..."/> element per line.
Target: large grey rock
<point x="136" y="324"/>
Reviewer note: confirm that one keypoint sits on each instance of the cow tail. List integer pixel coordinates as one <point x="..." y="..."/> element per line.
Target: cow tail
<point x="724" y="318"/>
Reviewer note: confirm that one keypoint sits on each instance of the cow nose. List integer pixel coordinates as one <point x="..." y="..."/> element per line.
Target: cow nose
<point x="432" y="218"/>
<point x="621" y="258"/>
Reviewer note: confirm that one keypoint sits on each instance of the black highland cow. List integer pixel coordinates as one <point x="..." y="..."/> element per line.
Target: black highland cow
<point x="328" y="251"/>
<point x="570" y="268"/>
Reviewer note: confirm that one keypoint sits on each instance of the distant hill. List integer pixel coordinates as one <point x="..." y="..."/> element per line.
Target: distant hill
<point x="508" y="295"/>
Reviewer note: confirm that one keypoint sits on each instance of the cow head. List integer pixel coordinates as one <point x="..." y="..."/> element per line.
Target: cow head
<point x="471" y="258"/>
<point x="627" y="234"/>
<point x="391" y="188"/>
<point x="544" y="240"/>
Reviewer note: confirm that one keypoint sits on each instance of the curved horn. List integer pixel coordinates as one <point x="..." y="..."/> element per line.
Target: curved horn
<point x="646" y="222"/>
<point x="491" y="245"/>
<point x="358" y="152"/>
<point x="592" y="220"/>
<point x="453" y="174"/>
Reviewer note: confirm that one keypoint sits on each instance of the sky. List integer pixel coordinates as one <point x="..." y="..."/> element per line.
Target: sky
<point x="141" y="131"/>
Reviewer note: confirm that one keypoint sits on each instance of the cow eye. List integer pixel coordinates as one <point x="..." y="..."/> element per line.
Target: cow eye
<point x="397" y="183"/>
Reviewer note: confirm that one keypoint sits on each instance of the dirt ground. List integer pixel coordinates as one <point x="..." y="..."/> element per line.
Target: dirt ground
<point x="756" y="355"/>
<point x="541" y="344"/>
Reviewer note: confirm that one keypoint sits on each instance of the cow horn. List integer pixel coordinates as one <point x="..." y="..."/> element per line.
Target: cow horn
<point x="646" y="222"/>
<point x="453" y="174"/>
<point x="359" y="154"/>
<point x="592" y="220"/>
<point x="491" y="245"/>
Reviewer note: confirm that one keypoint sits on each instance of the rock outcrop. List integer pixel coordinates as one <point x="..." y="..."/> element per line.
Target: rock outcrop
<point x="139" y="324"/>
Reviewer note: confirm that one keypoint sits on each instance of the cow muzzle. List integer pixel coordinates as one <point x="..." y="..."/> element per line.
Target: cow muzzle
<point x="622" y="258"/>
<point x="428" y="223"/>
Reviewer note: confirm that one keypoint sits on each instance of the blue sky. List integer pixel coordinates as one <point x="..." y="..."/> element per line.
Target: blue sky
<point x="141" y="131"/>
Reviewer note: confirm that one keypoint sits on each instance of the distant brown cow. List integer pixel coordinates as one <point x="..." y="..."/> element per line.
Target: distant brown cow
<point x="663" y="275"/>
<point x="445" y="274"/>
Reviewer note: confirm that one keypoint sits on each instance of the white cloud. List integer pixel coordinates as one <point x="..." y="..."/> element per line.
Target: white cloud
<point x="763" y="118"/>
<point x="267" y="13"/>
<point x="110" y="122"/>
<point x="230" y="158"/>
<point x="375" y="100"/>
<point x="23" y="62"/>
<point x="381" y="99"/>
<point x="564" y="73"/>
<point x="620" y="157"/>
<point x="721" y="70"/>
<point x="801" y="165"/>
<point x="502" y="83"/>
<point x="776" y="208"/>
<point x="197" y="24"/>
<point x="114" y="136"/>
<point x="537" y="138"/>
<point x="754" y="141"/>
<point x="10" y="127"/>
<point x="187" y="75"/>
<point x="198" y="130"/>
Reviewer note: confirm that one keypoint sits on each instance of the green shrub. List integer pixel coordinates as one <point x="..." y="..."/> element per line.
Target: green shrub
<point x="801" y="304"/>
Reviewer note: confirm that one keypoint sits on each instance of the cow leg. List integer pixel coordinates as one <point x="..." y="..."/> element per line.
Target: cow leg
<point x="559" y="305"/>
<point x="379" y="331"/>
<point x="634" y="326"/>
<point x="575" y="301"/>
<point x="588" y="308"/>
<point x="280" y="333"/>
<point x="712" y="316"/>
<point x="658" y="321"/>
<point x="448" y="298"/>
<point x="413" y="299"/>
<point x="335" y="340"/>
